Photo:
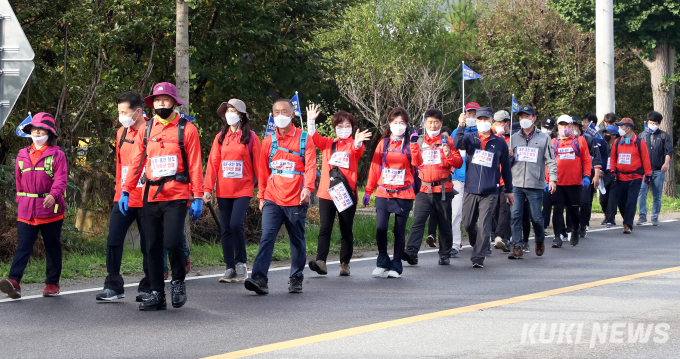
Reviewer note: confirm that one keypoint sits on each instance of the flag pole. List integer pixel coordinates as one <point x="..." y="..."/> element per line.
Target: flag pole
<point x="512" y="105"/>
<point x="302" y="125"/>
<point x="463" y="100"/>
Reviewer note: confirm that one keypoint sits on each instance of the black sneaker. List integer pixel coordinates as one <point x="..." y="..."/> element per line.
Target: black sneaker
<point x="109" y="295"/>
<point x="557" y="243"/>
<point x="410" y="256"/>
<point x="582" y="232"/>
<point x="603" y="222"/>
<point x="143" y="297"/>
<point x="257" y="284"/>
<point x="574" y="239"/>
<point x="477" y="265"/>
<point x="641" y="221"/>
<point x="179" y="294"/>
<point x="156" y="301"/>
<point x="444" y="260"/>
<point x="295" y="285"/>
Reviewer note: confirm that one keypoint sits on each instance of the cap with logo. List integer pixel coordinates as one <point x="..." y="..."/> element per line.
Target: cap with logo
<point x="471" y="106"/>
<point x="163" y="88"/>
<point x="548" y="123"/>
<point x="527" y="109"/>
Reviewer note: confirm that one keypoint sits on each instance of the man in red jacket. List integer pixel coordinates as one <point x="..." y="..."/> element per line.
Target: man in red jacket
<point x="630" y="164"/>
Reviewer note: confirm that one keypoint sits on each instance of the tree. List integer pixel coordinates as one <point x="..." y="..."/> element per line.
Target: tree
<point x="648" y="28"/>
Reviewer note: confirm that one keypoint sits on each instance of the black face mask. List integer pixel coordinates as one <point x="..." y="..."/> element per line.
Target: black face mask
<point x="607" y="138"/>
<point x="164" y="113"/>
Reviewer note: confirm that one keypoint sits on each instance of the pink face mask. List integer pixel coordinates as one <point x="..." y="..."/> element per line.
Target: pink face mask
<point x="565" y="132"/>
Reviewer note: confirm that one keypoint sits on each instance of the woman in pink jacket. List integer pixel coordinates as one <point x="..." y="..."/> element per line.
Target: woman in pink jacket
<point x="41" y="186"/>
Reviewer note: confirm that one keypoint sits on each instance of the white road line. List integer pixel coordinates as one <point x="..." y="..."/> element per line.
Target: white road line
<point x="275" y="269"/>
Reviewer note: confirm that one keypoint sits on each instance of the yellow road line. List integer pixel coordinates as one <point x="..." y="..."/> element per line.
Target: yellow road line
<point x="444" y="313"/>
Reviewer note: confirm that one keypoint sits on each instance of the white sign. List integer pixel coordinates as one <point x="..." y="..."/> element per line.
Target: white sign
<point x="284" y="165"/>
<point x="566" y="153"/>
<point x="340" y="197"/>
<point x="527" y="154"/>
<point x="624" y="158"/>
<point x="232" y="169"/>
<point x="482" y="158"/>
<point x="432" y="157"/>
<point x="340" y="159"/>
<point x="162" y="166"/>
<point x="123" y="175"/>
<point x="393" y="176"/>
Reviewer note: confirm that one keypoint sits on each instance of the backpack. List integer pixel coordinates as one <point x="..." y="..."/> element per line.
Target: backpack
<point x="120" y="143"/>
<point x="275" y="147"/>
<point x="574" y="146"/>
<point x="445" y="139"/>
<point x="416" y="179"/>
<point x="640" y="170"/>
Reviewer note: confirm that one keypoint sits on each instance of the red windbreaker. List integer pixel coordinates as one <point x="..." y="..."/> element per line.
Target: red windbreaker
<point x="351" y="159"/>
<point x="233" y="166"/>
<point x="437" y="172"/>
<point x="395" y="162"/>
<point x="626" y="160"/>
<point x="571" y="168"/>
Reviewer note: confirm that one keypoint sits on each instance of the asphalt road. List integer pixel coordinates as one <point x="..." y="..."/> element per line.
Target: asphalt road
<point x="222" y="318"/>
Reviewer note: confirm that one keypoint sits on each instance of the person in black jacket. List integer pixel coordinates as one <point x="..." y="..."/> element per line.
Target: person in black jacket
<point x="608" y="199"/>
<point x="660" y="146"/>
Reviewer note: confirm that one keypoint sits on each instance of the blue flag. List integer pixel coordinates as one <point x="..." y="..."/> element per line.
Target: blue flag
<point x="592" y="131"/>
<point x="515" y="105"/>
<point x="296" y="105"/>
<point x="20" y="128"/>
<point x="468" y="74"/>
<point x="647" y="130"/>
<point x="271" y="126"/>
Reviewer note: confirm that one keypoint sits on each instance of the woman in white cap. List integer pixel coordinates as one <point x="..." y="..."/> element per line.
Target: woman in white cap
<point x="232" y="164"/>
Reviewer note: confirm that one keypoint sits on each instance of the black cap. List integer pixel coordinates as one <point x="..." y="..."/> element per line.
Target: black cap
<point x="527" y="109"/>
<point x="548" y="123"/>
<point x="485" y="112"/>
<point x="577" y="122"/>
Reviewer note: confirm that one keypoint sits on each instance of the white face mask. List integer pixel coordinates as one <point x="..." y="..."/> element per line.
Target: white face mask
<point x="398" y="130"/>
<point x="282" y="121"/>
<point x="546" y="131"/>
<point x="526" y="123"/>
<point x="40" y="140"/>
<point x="470" y="122"/>
<point x="483" y="126"/>
<point x="233" y="118"/>
<point x="126" y="121"/>
<point x="433" y="133"/>
<point x="622" y="132"/>
<point x="343" y="133"/>
<point x="500" y="130"/>
<point x="653" y="128"/>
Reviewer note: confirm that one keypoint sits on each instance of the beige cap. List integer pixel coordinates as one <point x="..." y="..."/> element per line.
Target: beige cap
<point x="239" y="105"/>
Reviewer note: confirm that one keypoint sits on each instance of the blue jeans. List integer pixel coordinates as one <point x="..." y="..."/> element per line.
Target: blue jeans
<point x="657" y="186"/>
<point x="273" y="216"/>
<point x="535" y="198"/>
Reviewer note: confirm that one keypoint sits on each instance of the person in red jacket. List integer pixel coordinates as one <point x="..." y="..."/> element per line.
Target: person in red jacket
<point x="167" y="156"/>
<point x="233" y="163"/>
<point x="131" y="117"/>
<point x="392" y="170"/>
<point x="41" y="176"/>
<point x="287" y="174"/>
<point x="573" y="174"/>
<point x="630" y="164"/>
<point x="338" y="185"/>
<point x="439" y="158"/>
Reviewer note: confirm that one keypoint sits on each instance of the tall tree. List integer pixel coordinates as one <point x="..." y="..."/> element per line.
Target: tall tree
<point x="182" y="75"/>
<point x="649" y="29"/>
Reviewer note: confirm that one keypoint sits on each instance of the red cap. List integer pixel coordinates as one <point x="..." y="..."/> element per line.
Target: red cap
<point x="626" y="121"/>
<point x="471" y="106"/>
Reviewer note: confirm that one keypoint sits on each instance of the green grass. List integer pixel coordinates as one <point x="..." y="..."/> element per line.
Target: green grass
<point x="668" y="204"/>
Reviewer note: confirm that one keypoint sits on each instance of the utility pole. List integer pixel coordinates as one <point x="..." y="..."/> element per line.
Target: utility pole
<point x="182" y="74"/>
<point x="604" y="57"/>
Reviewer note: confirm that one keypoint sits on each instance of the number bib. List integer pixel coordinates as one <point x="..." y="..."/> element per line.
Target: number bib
<point x="232" y="169"/>
<point x="393" y="176"/>
<point x="432" y="157"/>
<point x="527" y="154"/>
<point x="340" y="159"/>
<point x="340" y="197"/>
<point x="284" y="165"/>
<point x="608" y="163"/>
<point x="482" y="158"/>
<point x="566" y="153"/>
<point x="162" y="166"/>
<point x="624" y="158"/>
<point x="123" y="174"/>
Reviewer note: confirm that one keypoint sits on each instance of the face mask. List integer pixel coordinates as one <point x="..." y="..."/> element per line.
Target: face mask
<point x="282" y="121"/>
<point x="565" y="132"/>
<point x="546" y="131"/>
<point x="653" y="128"/>
<point x="500" y="130"/>
<point x="470" y="122"/>
<point x="607" y="138"/>
<point x="232" y="118"/>
<point x="433" y="133"/>
<point x="164" y="113"/>
<point x="40" y="140"/>
<point x="398" y="130"/>
<point x="622" y="132"/>
<point x="483" y="126"/>
<point x="343" y="133"/>
<point x="525" y="123"/>
<point x="126" y="121"/>
<point x="575" y="132"/>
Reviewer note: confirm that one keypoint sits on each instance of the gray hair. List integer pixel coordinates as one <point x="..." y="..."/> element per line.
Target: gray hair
<point x="283" y="100"/>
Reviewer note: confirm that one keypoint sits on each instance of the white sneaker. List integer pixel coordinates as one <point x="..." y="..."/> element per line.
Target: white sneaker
<point x="498" y="244"/>
<point x="393" y="274"/>
<point x="379" y="272"/>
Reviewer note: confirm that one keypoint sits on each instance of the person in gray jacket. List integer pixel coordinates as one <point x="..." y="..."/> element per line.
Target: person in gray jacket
<point x="530" y="152"/>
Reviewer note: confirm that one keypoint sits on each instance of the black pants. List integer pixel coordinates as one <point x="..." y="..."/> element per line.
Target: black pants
<point x="232" y="234"/>
<point x="431" y="205"/>
<point x="164" y="227"/>
<point x="501" y="218"/>
<point x="478" y="212"/>
<point x="327" y="211"/>
<point x="399" y="231"/>
<point x="627" y="193"/>
<point x="568" y="197"/>
<point x="118" y="227"/>
<point x="432" y="225"/>
<point x="608" y="200"/>
<point x="547" y="208"/>
<point x="51" y="235"/>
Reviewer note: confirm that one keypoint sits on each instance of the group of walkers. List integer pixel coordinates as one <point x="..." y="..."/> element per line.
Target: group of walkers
<point x="495" y="180"/>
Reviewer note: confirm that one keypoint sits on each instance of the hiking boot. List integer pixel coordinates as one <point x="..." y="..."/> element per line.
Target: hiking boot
<point x="516" y="253"/>
<point x="626" y="229"/>
<point x="257" y="284"/>
<point x="477" y="265"/>
<point x="410" y="256"/>
<point x="454" y="253"/>
<point x="179" y="294"/>
<point x="318" y="266"/>
<point x="51" y="290"/>
<point x="379" y="272"/>
<point x="10" y="287"/>
<point x="540" y="248"/>
<point x="143" y="297"/>
<point x="655" y="222"/>
<point x="229" y="276"/>
<point x="582" y="232"/>
<point x="431" y="241"/>
<point x="187" y="268"/>
<point x="603" y="222"/>
<point x="444" y="260"/>
<point x="241" y="272"/>
<point x="295" y="285"/>
<point x="557" y="243"/>
<point x="344" y="270"/>
<point x="155" y="301"/>
<point x="641" y="221"/>
<point x="393" y="274"/>
<point x="109" y="295"/>
<point x="500" y="244"/>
